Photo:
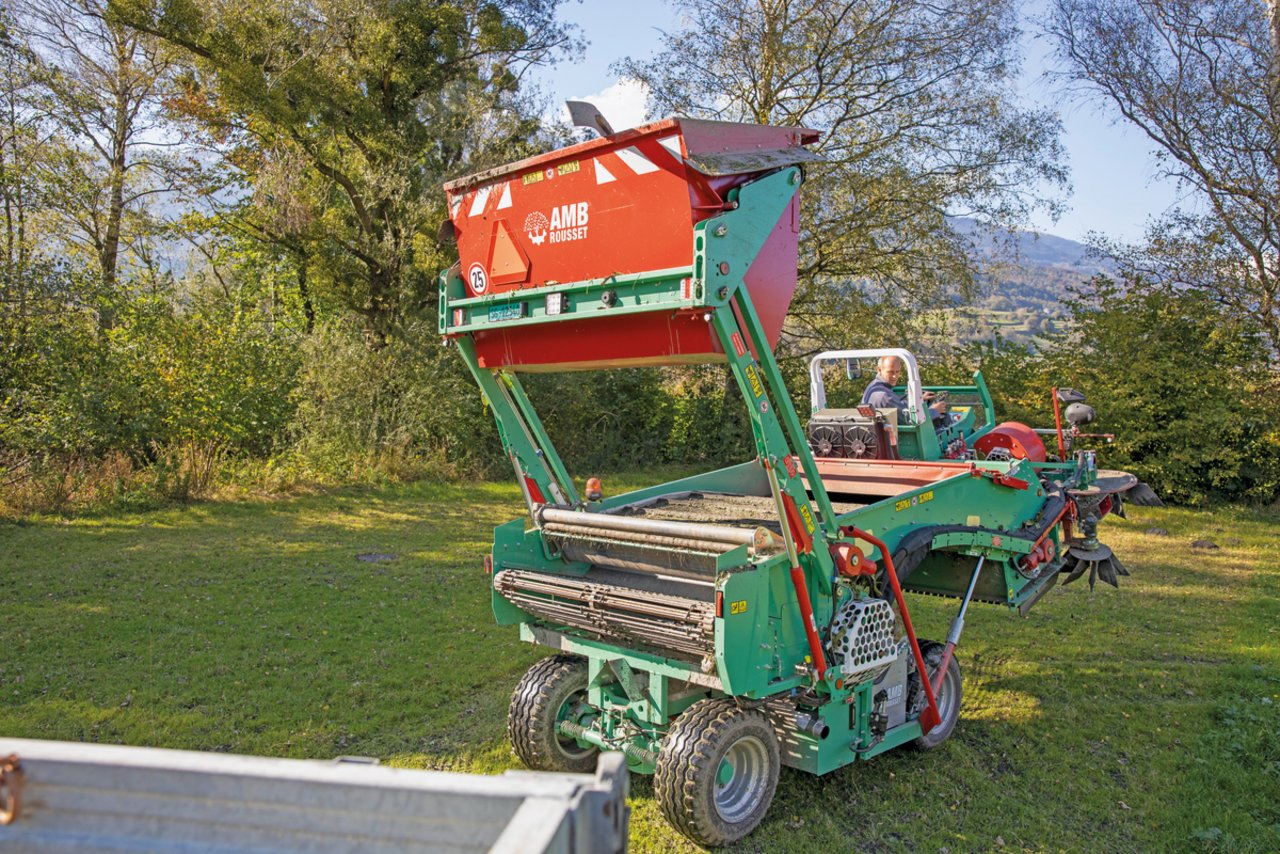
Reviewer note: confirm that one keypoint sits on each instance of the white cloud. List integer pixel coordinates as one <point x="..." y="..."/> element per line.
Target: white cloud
<point x="622" y="104"/>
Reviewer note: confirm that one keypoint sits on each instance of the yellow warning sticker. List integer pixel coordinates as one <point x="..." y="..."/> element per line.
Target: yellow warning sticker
<point x="531" y="178"/>
<point x="913" y="501"/>
<point x="807" y="515"/>
<point x="739" y="607"/>
<point x="568" y="168"/>
<point x="757" y="388"/>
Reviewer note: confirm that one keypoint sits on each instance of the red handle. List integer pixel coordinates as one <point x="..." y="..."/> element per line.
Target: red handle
<point x="931" y="717"/>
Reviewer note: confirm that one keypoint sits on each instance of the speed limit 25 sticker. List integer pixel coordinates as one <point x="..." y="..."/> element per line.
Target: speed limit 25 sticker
<point x="477" y="279"/>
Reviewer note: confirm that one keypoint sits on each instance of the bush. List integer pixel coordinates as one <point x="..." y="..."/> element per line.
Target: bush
<point x="1185" y="387"/>
<point x="407" y="410"/>
<point x="173" y="391"/>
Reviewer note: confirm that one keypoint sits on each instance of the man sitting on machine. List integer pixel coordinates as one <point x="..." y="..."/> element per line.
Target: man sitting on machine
<point x="880" y="393"/>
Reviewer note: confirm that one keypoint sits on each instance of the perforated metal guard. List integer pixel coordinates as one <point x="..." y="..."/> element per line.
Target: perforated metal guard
<point x="863" y="636"/>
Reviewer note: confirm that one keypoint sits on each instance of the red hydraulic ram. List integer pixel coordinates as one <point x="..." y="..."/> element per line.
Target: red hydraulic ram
<point x="930" y="718"/>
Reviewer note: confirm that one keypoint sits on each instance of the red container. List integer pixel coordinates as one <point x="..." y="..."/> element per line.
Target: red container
<point x="616" y="205"/>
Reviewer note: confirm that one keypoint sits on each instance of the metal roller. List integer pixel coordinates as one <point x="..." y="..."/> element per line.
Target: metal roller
<point x="641" y="558"/>
<point x="760" y="538"/>
<point x="589" y="533"/>
<point x="655" y="619"/>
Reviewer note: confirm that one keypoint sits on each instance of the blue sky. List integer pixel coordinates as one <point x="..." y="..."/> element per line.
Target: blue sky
<point x="1115" y="188"/>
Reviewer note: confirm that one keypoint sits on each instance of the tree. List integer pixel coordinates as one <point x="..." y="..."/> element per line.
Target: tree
<point x="1202" y="81"/>
<point x="919" y="118"/>
<point x="19" y="154"/>
<point x="1184" y="385"/>
<point x="100" y="84"/>
<point x="341" y="118"/>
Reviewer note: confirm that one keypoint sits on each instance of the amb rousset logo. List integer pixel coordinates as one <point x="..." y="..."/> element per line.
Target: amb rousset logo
<point x="568" y="222"/>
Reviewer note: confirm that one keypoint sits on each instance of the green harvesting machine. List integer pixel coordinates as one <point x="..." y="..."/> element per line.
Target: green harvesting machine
<point x="719" y="626"/>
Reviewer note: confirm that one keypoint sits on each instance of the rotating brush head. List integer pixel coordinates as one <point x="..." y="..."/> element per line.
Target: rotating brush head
<point x="1086" y="554"/>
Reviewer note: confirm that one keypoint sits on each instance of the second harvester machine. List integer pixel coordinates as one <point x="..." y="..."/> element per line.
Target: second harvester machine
<point x="720" y="626"/>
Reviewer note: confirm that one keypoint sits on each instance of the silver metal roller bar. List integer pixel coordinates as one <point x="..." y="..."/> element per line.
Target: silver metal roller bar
<point x="557" y="529"/>
<point x="639" y="558"/>
<point x="761" y="538"/>
<point x="667" y="622"/>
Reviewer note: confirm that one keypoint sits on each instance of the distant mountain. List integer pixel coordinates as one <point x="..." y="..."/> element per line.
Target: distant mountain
<point x="1030" y="247"/>
<point x="1028" y="275"/>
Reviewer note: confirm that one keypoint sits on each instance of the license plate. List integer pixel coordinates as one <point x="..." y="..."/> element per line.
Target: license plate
<point x="512" y="311"/>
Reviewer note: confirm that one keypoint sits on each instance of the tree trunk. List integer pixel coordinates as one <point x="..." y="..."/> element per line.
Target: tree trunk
<point x="1273" y="85"/>
<point x="121" y="131"/>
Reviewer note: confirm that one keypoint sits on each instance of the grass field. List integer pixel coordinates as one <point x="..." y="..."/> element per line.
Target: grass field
<point x="1141" y="719"/>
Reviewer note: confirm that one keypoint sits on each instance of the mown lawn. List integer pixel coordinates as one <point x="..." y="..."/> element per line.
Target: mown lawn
<point x="1141" y="719"/>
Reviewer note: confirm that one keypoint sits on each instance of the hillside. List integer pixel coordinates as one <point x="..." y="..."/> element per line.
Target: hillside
<point x="1027" y="276"/>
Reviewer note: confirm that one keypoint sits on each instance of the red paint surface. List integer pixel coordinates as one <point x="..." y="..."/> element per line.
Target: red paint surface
<point x="641" y="219"/>
<point x="534" y="492"/>
<point x="810" y="626"/>
<point x="882" y="477"/>
<point x="799" y="533"/>
<point x="1018" y="439"/>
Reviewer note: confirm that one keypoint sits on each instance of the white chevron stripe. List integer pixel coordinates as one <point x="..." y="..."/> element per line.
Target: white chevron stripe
<point x="603" y="175"/>
<point x="637" y="162"/>
<point x="505" y="201"/>
<point x="477" y="204"/>
<point x="672" y="144"/>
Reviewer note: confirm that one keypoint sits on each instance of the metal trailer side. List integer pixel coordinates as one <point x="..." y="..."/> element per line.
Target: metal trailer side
<point x="67" y="797"/>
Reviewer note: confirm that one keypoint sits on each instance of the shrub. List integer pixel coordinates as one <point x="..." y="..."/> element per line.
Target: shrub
<point x="406" y="410"/>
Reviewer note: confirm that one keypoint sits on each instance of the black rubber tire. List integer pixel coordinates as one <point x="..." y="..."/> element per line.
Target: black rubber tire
<point x="948" y="698"/>
<point x="536" y="705"/>
<point x="686" y="783"/>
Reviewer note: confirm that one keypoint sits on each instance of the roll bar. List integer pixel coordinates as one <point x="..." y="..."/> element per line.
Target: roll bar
<point x="915" y="392"/>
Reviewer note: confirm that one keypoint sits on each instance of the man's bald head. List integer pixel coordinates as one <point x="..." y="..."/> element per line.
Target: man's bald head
<point x="889" y="368"/>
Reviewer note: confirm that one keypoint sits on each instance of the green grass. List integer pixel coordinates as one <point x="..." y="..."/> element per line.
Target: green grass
<point x="1141" y="719"/>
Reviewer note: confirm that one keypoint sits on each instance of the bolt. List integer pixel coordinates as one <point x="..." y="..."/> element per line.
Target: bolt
<point x="795" y="178"/>
<point x="721" y="230"/>
<point x="723" y="293"/>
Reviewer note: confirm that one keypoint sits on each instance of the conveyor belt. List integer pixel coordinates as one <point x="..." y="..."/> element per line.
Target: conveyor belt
<point x="718" y="508"/>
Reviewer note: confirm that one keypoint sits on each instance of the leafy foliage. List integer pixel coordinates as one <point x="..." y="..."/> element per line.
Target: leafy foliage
<point x="158" y="377"/>
<point x="603" y="421"/>
<point x="1202" y="81"/>
<point x="339" y="120"/>
<point x="408" y="404"/>
<point x="1184" y="386"/>
<point x="919" y="120"/>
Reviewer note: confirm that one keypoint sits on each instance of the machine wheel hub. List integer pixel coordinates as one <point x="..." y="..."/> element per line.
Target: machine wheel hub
<point x="741" y="779"/>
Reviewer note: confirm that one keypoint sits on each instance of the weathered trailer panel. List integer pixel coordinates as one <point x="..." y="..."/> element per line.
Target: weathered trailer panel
<point x="66" y="797"/>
